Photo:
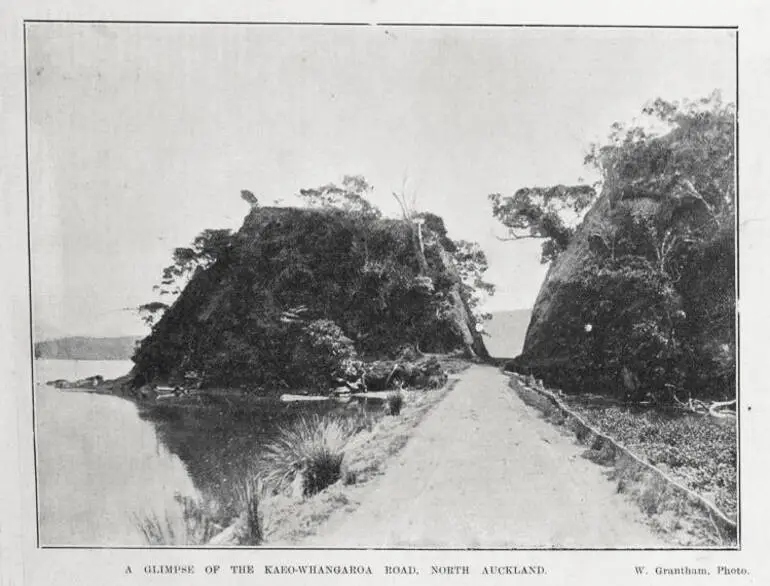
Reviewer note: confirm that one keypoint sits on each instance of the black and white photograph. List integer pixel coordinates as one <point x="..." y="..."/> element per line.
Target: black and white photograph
<point x="383" y="286"/>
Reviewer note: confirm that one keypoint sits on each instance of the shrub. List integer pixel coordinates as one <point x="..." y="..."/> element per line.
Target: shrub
<point x="394" y="402"/>
<point x="700" y="452"/>
<point x="310" y="452"/>
<point x="325" y="353"/>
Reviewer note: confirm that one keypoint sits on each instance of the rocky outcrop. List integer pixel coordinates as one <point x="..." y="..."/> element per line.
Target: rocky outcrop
<point x="360" y="281"/>
<point x="704" y="287"/>
<point x="538" y="345"/>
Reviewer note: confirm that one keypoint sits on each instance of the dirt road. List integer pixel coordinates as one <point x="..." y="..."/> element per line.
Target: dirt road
<point x="484" y="471"/>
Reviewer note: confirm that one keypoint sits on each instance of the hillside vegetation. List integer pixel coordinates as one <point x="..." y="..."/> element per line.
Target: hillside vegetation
<point x="639" y="301"/>
<point x="302" y="297"/>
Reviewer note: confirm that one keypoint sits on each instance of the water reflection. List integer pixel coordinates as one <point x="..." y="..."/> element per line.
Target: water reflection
<point x="98" y="464"/>
<point x="220" y="444"/>
<point x="104" y="464"/>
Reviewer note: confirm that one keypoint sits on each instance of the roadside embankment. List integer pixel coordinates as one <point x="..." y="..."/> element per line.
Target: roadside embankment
<point x="287" y="517"/>
<point x="685" y="516"/>
<point x="483" y="470"/>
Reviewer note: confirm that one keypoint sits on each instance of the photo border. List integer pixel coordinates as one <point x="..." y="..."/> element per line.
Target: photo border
<point x="416" y="24"/>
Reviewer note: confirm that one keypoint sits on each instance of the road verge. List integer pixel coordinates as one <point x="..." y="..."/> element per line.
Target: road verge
<point x="684" y="515"/>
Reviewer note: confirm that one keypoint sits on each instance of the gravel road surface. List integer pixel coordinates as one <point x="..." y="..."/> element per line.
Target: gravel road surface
<point x="483" y="470"/>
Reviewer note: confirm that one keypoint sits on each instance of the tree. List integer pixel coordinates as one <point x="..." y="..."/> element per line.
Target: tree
<point x="471" y="264"/>
<point x="542" y="213"/>
<point x="681" y="156"/>
<point x="152" y="312"/>
<point x="351" y="196"/>
<point x="206" y="248"/>
<point x="249" y="198"/>
<point x="684" y="177"/>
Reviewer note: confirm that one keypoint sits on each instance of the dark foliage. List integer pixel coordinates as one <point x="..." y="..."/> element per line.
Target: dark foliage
<point x="394" y="403"/>
<point x="644" y="304"/>
<point x="297" y="294"/>
<point x="615" y="315"/>
<point x="539" y="212"/>
<point x="427" y="373"/>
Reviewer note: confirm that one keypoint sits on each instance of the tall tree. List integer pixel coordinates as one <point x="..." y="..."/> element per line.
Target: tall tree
<point x="543" y="213"/>
<point x="681" y="156"/>
<point x="205" y="249"/>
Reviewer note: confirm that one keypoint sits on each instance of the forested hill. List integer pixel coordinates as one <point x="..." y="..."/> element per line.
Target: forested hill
<point x="86" y="348"/>
<point x="640" y="297"/>
<point x="299" y="296"/>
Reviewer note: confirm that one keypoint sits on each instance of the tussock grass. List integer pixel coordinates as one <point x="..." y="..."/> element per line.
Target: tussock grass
<point x="251" y="496"/>
<point x="366" y="457"/>
<point x="394" y="402"/>
<point x="155" y="531"/>
<point x="307" y="455"/>
<point x="193" y="525"/>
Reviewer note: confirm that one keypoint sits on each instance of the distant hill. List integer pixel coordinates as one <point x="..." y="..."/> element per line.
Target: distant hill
<point x="507" y="330"/>
<point x="85" y="348"/>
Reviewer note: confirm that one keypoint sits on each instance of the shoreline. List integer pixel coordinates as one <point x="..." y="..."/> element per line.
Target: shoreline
<point x="291" y="518"/>
<point x="288" y="520"/>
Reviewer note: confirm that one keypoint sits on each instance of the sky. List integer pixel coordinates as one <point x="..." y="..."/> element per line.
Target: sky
<point x="143" y="135"/>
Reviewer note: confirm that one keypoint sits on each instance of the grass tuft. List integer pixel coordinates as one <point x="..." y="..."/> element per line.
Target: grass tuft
<point x="394" y="402"/>
<point x="193" y="525"/>
<point x="250" y="496"/>
<point x="307" y="455"/>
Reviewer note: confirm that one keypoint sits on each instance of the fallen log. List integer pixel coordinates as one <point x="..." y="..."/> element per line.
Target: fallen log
<point x="716" y="406"/>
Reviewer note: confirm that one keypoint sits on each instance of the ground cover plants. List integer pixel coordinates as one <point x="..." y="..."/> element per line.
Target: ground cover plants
<point x="694" y="449"/>
<point x="633" y="445"/>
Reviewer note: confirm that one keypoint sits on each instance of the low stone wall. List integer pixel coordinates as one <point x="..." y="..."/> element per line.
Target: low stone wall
<point x="653" y="489"/>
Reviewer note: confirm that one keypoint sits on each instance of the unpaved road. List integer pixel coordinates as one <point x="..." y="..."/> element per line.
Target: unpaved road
<point x="484" y="471"/>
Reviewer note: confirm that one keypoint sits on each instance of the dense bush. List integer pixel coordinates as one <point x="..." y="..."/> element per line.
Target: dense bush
<point x="641" y="301"/>
<point x="299" y="294"/>
<point x="629" y="325"/>
<point x="426" y="373"/>
<point x="325" y="354"/>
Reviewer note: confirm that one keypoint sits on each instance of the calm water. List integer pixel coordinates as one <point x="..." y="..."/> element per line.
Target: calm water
<point x="102" y="462"/>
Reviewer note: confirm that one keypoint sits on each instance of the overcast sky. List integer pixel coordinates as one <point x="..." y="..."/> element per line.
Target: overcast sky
<point x="141" y="136"/>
